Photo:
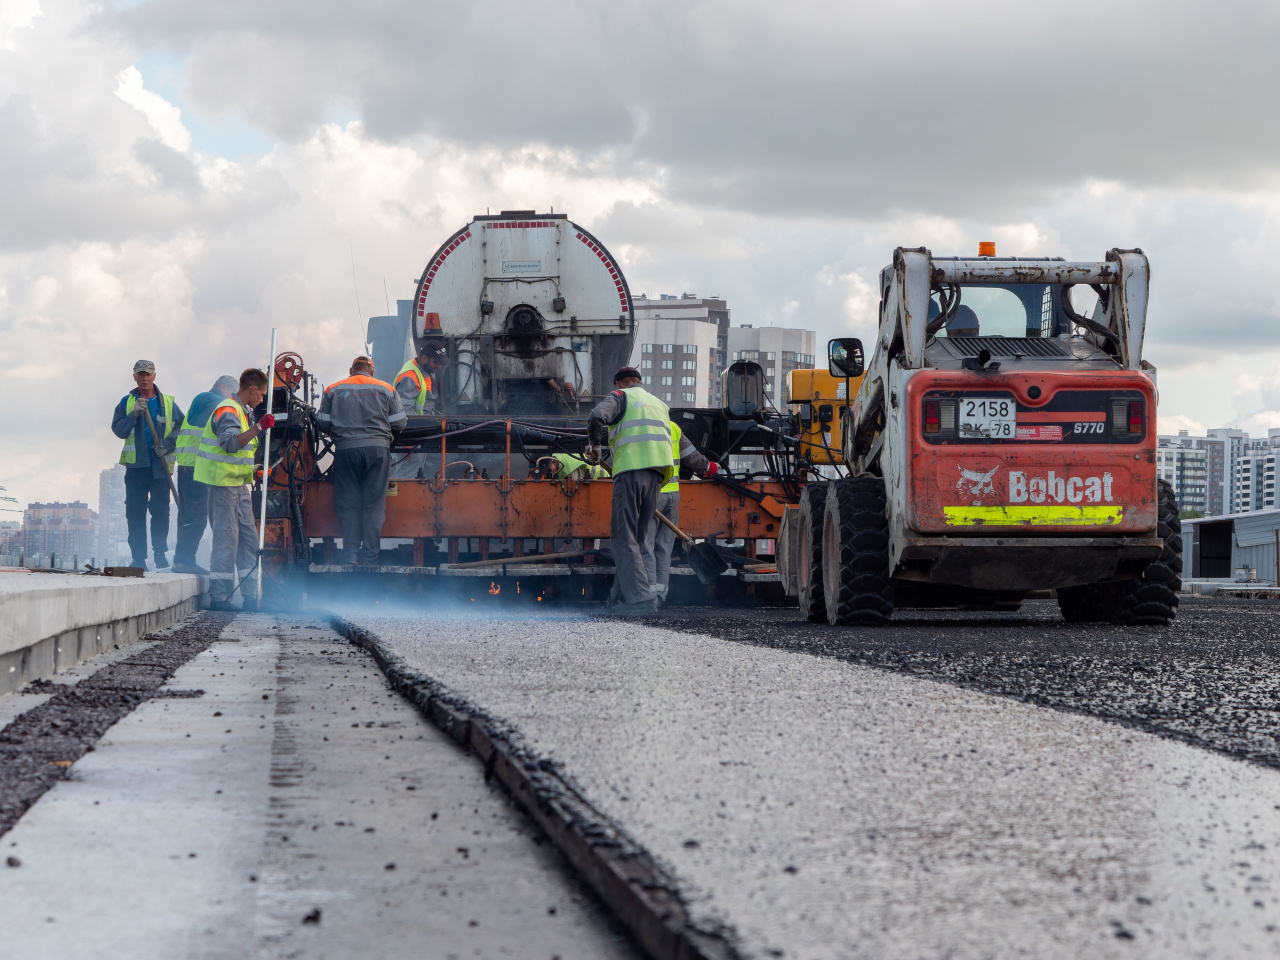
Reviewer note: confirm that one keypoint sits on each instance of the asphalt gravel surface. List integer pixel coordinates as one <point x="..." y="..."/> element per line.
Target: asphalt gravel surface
<point x="1211" y="678"/>
<point x="819" y="806"/>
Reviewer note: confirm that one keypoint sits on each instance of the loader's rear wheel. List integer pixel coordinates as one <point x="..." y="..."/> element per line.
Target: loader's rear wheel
<point x="813" y="505"/>
<point x="855" y="553"/>
<point x="1151" y="599"/>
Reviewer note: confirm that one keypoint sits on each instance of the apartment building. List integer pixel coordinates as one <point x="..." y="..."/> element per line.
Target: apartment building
<point x="1186" y="468"/>
<point x="779" y="350"/>
<point x="680" y="347"/>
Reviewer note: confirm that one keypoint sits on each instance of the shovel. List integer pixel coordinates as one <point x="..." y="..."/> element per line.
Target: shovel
<point x="158" y="451"/>
<point x="703" y="558"/>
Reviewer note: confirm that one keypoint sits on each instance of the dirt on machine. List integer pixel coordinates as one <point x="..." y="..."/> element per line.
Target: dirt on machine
<point x="999" y="444"/>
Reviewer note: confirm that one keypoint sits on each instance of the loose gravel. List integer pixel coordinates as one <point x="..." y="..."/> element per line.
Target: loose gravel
<point x="39" y="746"/>
<point x="1211" y="678"/>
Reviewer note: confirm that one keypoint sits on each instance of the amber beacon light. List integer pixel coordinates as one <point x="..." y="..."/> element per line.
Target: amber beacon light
<point x="986" y="248"/>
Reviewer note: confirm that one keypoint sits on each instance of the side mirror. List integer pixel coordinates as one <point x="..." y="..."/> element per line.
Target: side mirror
<point x="844" y="357"/>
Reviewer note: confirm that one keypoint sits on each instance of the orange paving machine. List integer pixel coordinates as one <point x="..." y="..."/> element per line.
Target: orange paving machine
<point x="536" y="316"/>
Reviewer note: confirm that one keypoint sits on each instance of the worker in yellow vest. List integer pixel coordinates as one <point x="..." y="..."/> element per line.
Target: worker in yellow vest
<point x="146" y="476"/>
<point x="193" y="504"/>
<point x="418" y="387"/>
<point x="662" y="539"/>
<point x="224" y="462"/>
<point x="637" y="427"/>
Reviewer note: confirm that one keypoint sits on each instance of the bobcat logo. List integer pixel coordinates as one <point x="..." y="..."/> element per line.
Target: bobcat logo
<point x="979" y="484"/>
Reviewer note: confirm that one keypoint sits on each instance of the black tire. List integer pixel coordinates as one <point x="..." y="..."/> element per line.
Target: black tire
<point x="1152" y="599"/>
<point x="813" y="507"/>
<point x="855" y="553"/>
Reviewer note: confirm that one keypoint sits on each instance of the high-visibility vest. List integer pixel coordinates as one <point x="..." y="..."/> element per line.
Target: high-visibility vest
<point x="188" y="442"/>
<point x="411" y="369"/>
<point x="674" y="485"/>
<point x="641" y="440"/>
<point x="129" y="455"/>
<point x="569" y="463"/>
<point x="214" y="465"/>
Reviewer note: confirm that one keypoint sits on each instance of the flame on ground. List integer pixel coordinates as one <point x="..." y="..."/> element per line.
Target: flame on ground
<point x="494" y="589"/>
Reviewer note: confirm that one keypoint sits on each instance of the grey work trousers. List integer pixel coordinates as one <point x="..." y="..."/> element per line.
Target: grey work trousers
<point x="235" y="542"/>
<point x="360" y="498"/>
<point x="408" y="466"/>
<point x="659" y="543"/>
<point x="635" y="498"/>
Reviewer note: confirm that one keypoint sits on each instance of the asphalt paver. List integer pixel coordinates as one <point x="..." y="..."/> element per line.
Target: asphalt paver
<point x="817" y="807"/>
<point x="295" y="807"/>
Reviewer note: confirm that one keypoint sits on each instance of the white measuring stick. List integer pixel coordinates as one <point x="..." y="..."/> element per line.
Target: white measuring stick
<point x="266" y="460"/>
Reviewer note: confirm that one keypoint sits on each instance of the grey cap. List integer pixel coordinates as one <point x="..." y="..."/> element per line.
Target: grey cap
<point x="226" y="385"/>
<point x="144" y="366"/>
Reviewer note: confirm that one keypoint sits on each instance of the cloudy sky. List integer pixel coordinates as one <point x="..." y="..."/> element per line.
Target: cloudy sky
<point x="177" y="177"/>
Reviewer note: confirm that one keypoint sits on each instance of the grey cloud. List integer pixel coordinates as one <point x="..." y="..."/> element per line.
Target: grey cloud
<point x="174" y="170"/>
<point x="818" y="108"/>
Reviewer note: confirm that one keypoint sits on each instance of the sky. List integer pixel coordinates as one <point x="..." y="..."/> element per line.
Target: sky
<point x="178" y="177"/>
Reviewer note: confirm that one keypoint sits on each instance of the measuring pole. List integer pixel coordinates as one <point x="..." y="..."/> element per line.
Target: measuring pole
<point x="266" y="460"/>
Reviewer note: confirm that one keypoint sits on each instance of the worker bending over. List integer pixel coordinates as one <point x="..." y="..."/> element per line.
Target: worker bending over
<point x="193" y="502"/>
<point x="638" y="429"/>
<point x="224" y="463"/>
<point x="146" y="476"/>
<point x="661" y="539"/>
<point x="418" y="387"/>
<point x="361" y="413"/>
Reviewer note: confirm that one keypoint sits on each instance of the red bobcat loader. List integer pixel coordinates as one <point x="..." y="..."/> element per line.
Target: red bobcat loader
<point x="1001" y="445"/>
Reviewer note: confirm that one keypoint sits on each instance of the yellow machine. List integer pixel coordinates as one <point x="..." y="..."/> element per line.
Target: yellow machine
<point x="819" y="399"/>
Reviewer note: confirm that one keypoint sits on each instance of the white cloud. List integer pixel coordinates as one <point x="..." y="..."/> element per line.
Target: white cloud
<point x="164" y="117"/>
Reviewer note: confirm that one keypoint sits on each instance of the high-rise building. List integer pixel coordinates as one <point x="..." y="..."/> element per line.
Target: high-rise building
<point x="10" y="532"/>
<point x="1186" y="467"/>
<point x="778" y="349"/>
<point x="680" y="347"/>
<point x="111" y="538"/>
<point x="64" y="530"/>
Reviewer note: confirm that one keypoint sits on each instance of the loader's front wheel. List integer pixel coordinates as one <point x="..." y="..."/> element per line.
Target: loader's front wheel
<point x="813" y="505"/>
<point x="855" y="553"/>
<point x="1152" y="599"/>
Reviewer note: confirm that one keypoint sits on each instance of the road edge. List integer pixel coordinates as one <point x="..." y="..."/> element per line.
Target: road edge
<point x="644" y="897"/>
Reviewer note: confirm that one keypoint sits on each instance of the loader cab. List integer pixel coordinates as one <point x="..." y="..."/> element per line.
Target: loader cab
<point x="1021" y="310"/>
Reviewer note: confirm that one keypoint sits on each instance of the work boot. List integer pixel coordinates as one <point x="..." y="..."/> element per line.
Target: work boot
<point x="224" y="606"/>
<point x="161" y="562"/>
<point x="195" y="568"/>
<point x="251" y="605"/>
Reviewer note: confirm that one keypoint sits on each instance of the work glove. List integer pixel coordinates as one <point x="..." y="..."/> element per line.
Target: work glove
<point x="591" y="454"/>
<point x="712" y="469"/>
<point x="139" y="411"/>
<point x="267" y="421"/>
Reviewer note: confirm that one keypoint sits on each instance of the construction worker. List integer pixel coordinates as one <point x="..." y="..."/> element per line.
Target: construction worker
<point x="224" y="462"/>
<point x="193" y="496"/>
<point x="146" y="477"/>
<point x="417" y="385"/>
<point x="661" y="539"/>
<point x="637" y="426"/>
<point x="564" y="465"/>
<point x="362" y="414"/>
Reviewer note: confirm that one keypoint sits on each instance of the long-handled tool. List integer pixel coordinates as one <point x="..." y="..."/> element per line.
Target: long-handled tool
<point x="266" y="460"/>
<point x="706" y="563"/>
<point x="159" y="451"/>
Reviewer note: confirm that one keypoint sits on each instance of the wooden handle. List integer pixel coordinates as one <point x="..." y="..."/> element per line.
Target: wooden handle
<point x="667" y="520"/>
<point x="503" y="561"/>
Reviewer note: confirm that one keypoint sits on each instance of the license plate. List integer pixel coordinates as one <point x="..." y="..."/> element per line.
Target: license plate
<point x="988" y="418"/>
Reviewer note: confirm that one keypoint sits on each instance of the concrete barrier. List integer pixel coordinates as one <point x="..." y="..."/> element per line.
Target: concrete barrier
<point x="49" y="622"/>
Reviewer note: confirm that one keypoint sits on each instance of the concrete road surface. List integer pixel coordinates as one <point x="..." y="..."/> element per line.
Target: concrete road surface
<point x="296" y="808"/>
<point x="823" y="808"/>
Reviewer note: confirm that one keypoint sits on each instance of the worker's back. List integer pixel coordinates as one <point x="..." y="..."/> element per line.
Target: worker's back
<point x="361" y="411"/>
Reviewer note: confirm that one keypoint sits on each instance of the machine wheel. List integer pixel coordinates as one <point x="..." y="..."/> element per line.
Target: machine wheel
<point x="1151" y="599"/>
<point x="812" y="514"/>
<point x="855" y="553"/>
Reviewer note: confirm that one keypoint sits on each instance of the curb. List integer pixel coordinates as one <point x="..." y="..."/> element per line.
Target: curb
<point x="639" y="892"/>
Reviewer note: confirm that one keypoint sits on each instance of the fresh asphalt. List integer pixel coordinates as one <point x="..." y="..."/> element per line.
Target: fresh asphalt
<point x="1211" y="678"/>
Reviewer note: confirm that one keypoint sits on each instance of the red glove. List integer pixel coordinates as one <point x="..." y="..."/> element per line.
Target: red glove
<point x="267" y="421"/>
<point x="713" y="469"/>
